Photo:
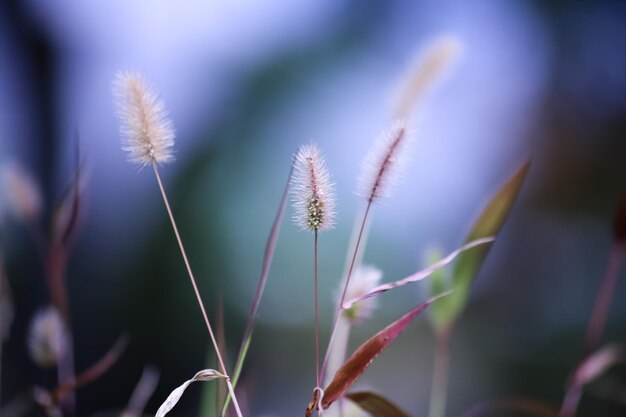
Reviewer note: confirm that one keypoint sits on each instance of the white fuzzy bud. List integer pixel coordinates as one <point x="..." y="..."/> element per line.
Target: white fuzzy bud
<point x="47" y="338"/>
<point x="21" y="192"/>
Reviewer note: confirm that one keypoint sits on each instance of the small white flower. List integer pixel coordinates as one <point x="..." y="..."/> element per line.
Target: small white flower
<point x="383" y="162"/>
<point x="363" y="280"/>
<point x="47" y="338"/>
<point x="312" y="192"/>
<point x="146" y="127"/>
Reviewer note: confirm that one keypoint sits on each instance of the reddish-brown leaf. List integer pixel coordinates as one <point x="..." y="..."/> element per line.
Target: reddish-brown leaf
<point x="361" y="359"/>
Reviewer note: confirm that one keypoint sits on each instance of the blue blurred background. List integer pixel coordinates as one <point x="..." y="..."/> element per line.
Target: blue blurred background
<point x="248" y="82"/>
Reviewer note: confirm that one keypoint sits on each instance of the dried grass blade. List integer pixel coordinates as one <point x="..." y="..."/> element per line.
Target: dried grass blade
<point x="418" y="275"/>
<point x="174" y="397"/>
<point x="376" y="405"/>
<point x="361" y="359"/>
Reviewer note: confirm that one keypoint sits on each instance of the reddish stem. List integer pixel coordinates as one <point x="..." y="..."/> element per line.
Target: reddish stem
<point x="345" y="289"/>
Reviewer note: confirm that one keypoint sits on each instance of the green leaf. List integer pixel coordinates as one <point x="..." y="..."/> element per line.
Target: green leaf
<point x="468" y="263"/>
<point x="376" y="405"/>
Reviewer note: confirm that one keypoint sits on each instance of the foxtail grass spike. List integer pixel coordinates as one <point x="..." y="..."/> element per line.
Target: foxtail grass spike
<point x="312" y="191"/>
<point x="383" y="162"/>
<point x="146" y="127"/>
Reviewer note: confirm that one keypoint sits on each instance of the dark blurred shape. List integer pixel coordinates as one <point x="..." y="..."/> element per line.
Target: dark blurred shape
<point x="619" y="222"/>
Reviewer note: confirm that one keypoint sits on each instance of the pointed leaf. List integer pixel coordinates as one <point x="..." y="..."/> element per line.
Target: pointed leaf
<point x="361" y="359"/>
<point x="270" y="247"/>
<point x="174" y="397"/>
<point x="488" y="223"/>
<point x="376" y="405"/>
<point x="418" y="275"/>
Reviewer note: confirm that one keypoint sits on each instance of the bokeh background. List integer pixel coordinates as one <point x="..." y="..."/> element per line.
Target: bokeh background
<point x="246" y="83"/>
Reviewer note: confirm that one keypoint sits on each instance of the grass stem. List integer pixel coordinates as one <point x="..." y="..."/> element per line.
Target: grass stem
<point x="439" y="388"/>
<point x="345" y="288"/>
<point x="317" y="314"/>
<point x="195" y="288"/>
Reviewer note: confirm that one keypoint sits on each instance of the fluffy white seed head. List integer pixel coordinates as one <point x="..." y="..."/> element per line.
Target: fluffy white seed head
<point x="429" y="65"/>
<point x="22" y="193"/>
<point x="47" y="338"/>
<point x="363" y="280"/>
<point x="384" y="161"/>
<point x="311" y="190"/>
<point x="147" y="131"/>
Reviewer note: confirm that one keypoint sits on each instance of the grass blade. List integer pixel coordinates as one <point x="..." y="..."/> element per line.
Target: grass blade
<point x="418" y="275"/>
<point x="361" y="359"/>
<point x="468" y="264"/>
<point x="270" y="248"/>
<point x="376" y="405"/>
<point x="174" y="397"/>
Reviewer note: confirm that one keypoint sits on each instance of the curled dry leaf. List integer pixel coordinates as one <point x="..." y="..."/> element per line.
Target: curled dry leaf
<point x="172" y="399"/>
<point x="376" y="405"/>
<point x="418" y="275"/>
<point x="361" y="359"/>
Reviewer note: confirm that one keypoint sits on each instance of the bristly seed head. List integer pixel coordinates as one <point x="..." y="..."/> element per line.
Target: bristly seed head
<point x="383" y="162"/>
<point x="146" y="127"/>
<point x="311" y="190"/>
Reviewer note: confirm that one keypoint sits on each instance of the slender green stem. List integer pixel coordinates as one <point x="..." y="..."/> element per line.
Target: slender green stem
<point x="439" y="388"/>
<point x="195" y="288"/>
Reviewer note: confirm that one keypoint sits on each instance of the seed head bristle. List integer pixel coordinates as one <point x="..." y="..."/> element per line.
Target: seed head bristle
<point x="383" y="162"/>
<point x="146" y="128"/>
<point x="47" y="338"/>
<point x="363" y="280"/>
<point x="311" y="190"/>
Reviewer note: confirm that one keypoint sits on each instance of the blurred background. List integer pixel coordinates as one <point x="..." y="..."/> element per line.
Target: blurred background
<point x="246" y="83"/>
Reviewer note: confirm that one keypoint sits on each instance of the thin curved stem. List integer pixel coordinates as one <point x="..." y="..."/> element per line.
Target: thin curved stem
<point x="195" y="288"/>
<point x="345" y="288"/>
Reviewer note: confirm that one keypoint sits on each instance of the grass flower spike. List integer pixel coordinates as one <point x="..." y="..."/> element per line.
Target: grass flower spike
<point x="312" y="191"/>
<point x="146" y="127"/>
<point x="384" y="160"/>
<point x="149" y="138"/>
<point x="314" y="203"/>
